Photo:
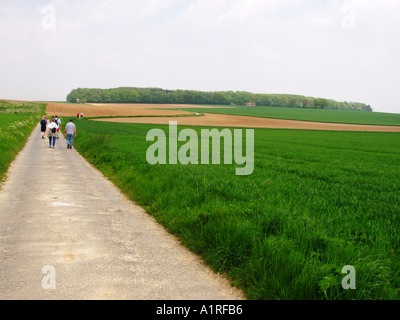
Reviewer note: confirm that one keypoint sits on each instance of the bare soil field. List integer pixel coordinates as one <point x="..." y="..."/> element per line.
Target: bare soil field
<point x="215" y="120"/>
<point x="102" y="110"/>
<point x="154" y="106"/>
<point x="111" y="109"/>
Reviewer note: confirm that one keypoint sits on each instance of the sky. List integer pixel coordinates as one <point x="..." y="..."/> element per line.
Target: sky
<point x="347" y="50"/>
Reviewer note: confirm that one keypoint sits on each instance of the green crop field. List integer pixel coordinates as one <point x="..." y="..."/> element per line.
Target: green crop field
<point x="316" y="202"/>
<point x="307" y="114"/>
<point x="17" y="120"/>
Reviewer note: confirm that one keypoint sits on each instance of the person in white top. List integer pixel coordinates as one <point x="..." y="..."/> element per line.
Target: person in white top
<point x="58" y="123"/>
<point x="70" y="131"/>
<point x="52" y="132"/>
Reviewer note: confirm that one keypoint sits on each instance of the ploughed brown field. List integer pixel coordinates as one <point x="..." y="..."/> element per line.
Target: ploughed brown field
<point x="104" y="110"/>
<point x="213" y="120"/>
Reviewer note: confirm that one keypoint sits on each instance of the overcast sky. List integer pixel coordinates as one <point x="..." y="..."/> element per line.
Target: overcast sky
<point x="344" y="50"/>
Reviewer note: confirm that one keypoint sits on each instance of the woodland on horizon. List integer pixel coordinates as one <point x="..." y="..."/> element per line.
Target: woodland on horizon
<point x="163" y="96"/>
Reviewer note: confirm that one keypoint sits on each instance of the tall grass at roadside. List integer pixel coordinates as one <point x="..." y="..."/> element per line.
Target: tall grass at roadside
<point x="316" y="201"/>
<point x="17" y="120"/>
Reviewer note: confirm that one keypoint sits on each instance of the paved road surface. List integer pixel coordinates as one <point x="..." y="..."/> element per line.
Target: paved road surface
<point x="66" y="232"/>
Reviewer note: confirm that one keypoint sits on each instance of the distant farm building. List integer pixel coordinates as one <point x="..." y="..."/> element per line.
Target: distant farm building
<point x="250" y="104"/>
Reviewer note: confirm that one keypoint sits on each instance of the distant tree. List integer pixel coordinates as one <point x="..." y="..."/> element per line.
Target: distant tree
<point x="321" y="103"/>
<point x="145" y="96"/>
<point x="132" y="96"/>
<point x="307" y="102"/>
<point x="294" y="102"/>
<point x="241" y="97"/>
<point x="189" y="96"/>
<point x="220" y="98"/>
<point x="73" y="96"/>
<point x="106" y="97"/>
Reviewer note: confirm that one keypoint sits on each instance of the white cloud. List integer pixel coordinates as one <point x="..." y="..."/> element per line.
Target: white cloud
<point x="255" y="9"/>
<point x="287" y="46"/>
<point x="127" y="11"/>
<point x="265" y="52"/>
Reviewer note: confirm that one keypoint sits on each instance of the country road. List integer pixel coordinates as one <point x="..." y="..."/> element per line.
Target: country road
<point x="67" y="233"/>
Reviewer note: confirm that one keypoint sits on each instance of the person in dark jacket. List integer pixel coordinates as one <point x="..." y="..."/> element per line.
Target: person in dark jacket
<point x="43" y="127"/>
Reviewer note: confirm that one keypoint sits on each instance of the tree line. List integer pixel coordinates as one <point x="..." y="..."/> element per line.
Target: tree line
<point x="162" y="96"/>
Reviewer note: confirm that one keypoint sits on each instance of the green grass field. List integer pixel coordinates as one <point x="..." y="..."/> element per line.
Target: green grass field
<point x="316" y="201"/>
<point x="320" y="115"/>
<point x="17" y="120"/>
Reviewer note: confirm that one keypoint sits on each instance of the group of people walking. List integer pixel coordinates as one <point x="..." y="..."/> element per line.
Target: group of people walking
<point x="51" y="129"/>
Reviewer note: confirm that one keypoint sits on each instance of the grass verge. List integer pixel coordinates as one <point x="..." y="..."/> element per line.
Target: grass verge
<point x="316" y="202"/>
<point x="17" y="120"/>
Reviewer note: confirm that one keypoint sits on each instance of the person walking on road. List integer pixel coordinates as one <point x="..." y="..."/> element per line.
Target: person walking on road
<point x="52" y="132"/>
<point x="58" y="122"/>
<point x="70" y="131"/>
<point x="43" y="126"/>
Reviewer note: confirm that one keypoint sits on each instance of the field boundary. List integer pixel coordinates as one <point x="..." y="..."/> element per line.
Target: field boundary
<point x="271" y="116"/>
<point x="211" y="118"/>
<point x="222" y="120"/>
